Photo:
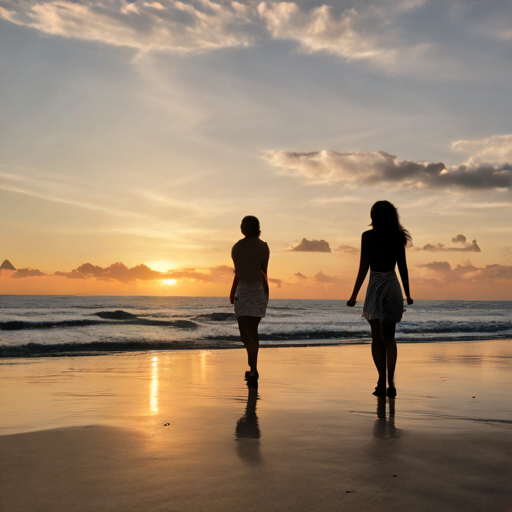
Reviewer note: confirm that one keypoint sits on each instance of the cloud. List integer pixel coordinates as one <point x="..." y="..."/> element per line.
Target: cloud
<point x="438" y="266"/>
<point x="320" y="277"/>
<point x="175" y="26"/>
<point x="459" y="239"/>
<point x="120" y="272"/>
<point x="377" y="168"/>
<point x="299" y="275"/>
<point x="497" y="148"/>
<point x="346" y="35"/>
<point x="392" y="35"/>
<point x="348" y="249"/>
<point x="278" y="282"/>
<point x="196" y="25"/>
<point x="312" y="246"/>
<point x="469" y="273"/>
<point x="22" y="273"/>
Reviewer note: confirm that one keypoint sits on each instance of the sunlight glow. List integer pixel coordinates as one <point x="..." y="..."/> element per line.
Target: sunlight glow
<point x="169" y="282"/>
<point x="160" y="265"/>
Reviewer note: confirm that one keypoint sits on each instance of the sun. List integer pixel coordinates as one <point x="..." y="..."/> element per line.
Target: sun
<point x="169" y="282"/>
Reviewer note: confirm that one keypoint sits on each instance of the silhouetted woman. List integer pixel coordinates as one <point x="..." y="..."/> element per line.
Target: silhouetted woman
<point x="381" y="249"/>
<point x="249" y="292"/>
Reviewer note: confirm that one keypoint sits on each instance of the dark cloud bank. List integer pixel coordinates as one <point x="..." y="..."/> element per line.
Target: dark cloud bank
<point x="123" y="274"/>
<point x="378" y="167"/>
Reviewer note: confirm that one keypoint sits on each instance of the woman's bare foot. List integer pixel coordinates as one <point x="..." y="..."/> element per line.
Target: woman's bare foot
<point x="391" y="390"/>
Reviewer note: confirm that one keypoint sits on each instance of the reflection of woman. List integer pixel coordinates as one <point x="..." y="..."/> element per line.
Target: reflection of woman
<point x="249" y="292"/>
<point x="247" y="426"/>
<point x="247" y="431"/>
<point x="381" y="249"/>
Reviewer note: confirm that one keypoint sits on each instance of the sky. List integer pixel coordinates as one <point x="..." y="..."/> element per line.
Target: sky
<point x="135" y="136"/>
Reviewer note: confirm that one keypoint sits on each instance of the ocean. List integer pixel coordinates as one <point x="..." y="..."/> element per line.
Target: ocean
<point x="34" y="326"/>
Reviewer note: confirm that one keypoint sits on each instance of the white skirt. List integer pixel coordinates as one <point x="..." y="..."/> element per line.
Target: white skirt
<point x="250" y="299"/>
<point x="384" y="300"/>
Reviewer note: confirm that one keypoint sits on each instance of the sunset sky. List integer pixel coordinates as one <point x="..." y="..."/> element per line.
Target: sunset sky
<point x="134" y="136"/>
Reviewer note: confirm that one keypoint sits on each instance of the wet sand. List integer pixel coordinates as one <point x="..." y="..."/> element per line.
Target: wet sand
<point x="88" y="433"/>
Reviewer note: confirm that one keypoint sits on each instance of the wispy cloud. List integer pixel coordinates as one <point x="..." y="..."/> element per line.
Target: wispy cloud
<point x="168" y="26"/>
<point x="383" y="33"/>
<point x="337" y="200"/>
<point x="346" y="34"/>
<point x="495" y="149"/>
<point x="348" y="249"/>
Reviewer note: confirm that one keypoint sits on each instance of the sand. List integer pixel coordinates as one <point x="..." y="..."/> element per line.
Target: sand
<point x="88" y="433"/>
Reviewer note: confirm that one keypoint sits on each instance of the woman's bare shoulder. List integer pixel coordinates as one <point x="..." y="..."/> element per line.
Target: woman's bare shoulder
<point x="238" y="244"/>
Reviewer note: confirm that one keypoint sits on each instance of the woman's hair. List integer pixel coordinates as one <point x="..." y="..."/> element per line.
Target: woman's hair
<point x="250" y="226"/>
<point x="385" y="219"/>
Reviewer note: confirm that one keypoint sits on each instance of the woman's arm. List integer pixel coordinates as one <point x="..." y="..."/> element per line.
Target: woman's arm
<point x="364" y="265"/>
<point x="233" y="290"/>
<point x="264" y="269"/>
<point x="404" y="273"/>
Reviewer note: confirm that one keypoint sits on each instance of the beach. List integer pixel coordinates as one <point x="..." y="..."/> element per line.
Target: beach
<point x="180" y="430"/>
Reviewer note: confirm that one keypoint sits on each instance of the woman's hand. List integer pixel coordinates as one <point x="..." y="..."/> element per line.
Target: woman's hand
<point x="351" y="303"/>
<point x="409" y="301"/>
<point x="232" y="293"/>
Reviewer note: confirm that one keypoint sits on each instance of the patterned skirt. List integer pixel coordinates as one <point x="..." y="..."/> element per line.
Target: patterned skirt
<point x="384" y="299"/>
<point x="250" y="299"/>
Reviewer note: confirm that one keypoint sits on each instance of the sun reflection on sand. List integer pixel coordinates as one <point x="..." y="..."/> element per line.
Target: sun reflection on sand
<point x="153" y="390"/>
<point x="203" y="364"/>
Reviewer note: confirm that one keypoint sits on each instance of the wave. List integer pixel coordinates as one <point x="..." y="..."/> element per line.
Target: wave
<point x="18" y="325"/>
<point x="115" y="315"/>
<point x="216" y="317"/>
<point x="212" y="342"/>
<point x="462" y="327"/>
<point x="300" y="336"/>
<point x="98" y="347"/>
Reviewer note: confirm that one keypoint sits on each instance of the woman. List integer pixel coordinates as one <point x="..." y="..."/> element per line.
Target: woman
<point x="381" y="249"/>
<point x="249" y="292"/>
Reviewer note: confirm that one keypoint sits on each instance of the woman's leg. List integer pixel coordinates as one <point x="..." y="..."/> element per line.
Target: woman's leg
<point x="388" y="333"/>
<point x="248" y="326"/>
<point x="379" y="352"/>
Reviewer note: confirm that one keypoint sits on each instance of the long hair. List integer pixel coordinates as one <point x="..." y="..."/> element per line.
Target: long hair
<point x="386" y="220"/>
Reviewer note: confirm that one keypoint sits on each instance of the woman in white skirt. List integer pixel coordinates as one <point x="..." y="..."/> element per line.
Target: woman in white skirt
<point x="381" y="249"/>
<point x="249" y="292"/>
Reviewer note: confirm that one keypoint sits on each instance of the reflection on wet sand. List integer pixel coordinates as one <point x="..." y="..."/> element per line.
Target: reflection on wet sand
<point x="247" y="431"/>
<point x="153" y="388"/>
<point x="384" y="426"/>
